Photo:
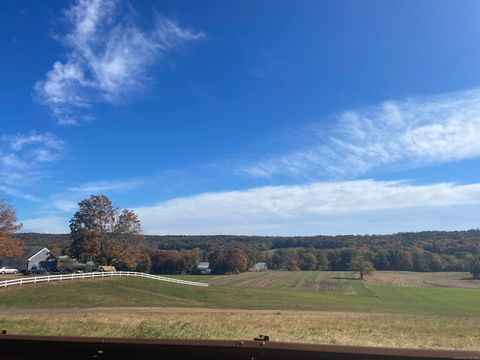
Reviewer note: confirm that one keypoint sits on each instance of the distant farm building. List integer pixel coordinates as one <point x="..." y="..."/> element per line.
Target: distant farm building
<point x="261" y="266"/>
<point x="34" y="258"/>
<point x="204" y="268"/>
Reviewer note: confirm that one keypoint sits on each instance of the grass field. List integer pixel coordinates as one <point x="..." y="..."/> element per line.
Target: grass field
<point x="318" y="307"/>
<point x="343" y="282"/>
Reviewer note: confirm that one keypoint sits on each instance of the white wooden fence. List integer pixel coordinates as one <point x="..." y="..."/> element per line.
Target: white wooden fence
<point x="94" y="275"/>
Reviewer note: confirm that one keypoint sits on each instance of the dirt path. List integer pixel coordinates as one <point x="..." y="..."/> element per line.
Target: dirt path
<point x="166" y="310"/>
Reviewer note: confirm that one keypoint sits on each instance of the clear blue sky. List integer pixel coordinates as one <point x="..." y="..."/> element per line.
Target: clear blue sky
<point x="246" y="117"/>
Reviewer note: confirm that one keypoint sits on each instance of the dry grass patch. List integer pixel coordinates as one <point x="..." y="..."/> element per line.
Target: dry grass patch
<point x="391" y="330"/>
<point x="432" y="279"/>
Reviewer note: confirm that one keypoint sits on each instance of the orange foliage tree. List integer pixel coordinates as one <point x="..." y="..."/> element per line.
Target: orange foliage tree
<point x="9" y="246"/>
<point x="100" y="232"/>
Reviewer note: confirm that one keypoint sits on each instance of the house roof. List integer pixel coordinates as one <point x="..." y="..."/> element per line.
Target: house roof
<point x="203" y="265"/>
<point x="29" y="251"/>
<point x="260" y="265"/>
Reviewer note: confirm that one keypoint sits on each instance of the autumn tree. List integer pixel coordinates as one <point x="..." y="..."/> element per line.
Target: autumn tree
<point x="237" y="260"/>
<point x="474" y="268"/>
<point x="191" y="258"/>
<point x="9" y="246"/>
<point x="360" y="265"/>
<point x="100" y="232"/>
<point x="307" y="260"/>
<point x="322" y="261"/>
<point x="167" y="262"/>
<point x="125" y="246"/>
<point x="218" y="261"/>
<point x="144" y="263"/>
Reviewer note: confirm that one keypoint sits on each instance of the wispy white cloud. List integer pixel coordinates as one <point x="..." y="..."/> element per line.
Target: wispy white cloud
<point x="108" y="58"/>
<point x="67" y="200"/>
<point x="24" y="157"/>
<point x="102" y="186"/>
<point x="64" y="205"/>
<point x="362" y="206"/>
<point x="18" y="193"/>
<point x="394" y="135"/>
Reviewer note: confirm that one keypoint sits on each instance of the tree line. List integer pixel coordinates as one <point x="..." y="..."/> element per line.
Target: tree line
<point x="102" y="233"/>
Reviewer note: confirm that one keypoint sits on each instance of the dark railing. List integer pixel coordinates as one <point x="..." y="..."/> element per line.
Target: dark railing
<point x="36" y="347"/>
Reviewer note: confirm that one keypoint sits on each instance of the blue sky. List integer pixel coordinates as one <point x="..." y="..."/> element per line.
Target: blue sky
<point x="248" y="117"/>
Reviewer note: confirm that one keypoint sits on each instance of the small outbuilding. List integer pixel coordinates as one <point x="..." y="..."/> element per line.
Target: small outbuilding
<point x="204" y="268"/>
<point x="261" y="266"/>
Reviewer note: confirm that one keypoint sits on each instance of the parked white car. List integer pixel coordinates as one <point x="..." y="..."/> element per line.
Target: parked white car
<point x="8" y="270"/>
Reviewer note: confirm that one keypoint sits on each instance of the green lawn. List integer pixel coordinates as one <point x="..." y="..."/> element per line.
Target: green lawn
<point x="129" y="292"/>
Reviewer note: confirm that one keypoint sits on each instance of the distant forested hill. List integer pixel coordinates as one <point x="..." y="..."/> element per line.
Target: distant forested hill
<point x="419" y="251"/>
<point x="46" y="240"/>
<point x="441" y="242"/>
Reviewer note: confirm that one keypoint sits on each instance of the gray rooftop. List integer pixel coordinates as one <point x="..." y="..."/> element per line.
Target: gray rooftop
<point x="29" y="251"/>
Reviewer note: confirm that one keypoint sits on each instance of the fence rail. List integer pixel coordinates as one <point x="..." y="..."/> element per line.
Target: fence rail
<point x="94" y="275"/>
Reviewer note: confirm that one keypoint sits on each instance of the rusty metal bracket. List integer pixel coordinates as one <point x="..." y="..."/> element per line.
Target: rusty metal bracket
<point x="262" y="338"/>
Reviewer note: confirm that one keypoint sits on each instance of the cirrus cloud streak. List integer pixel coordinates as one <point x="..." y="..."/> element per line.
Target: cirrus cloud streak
<point x="395" y="135"/>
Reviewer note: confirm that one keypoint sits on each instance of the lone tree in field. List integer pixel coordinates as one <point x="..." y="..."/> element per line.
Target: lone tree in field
<point x="360" y="265"/>
<point x="100" y="232"/>
<point x="9" y="246"/>
<point x="475" y="268"/>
